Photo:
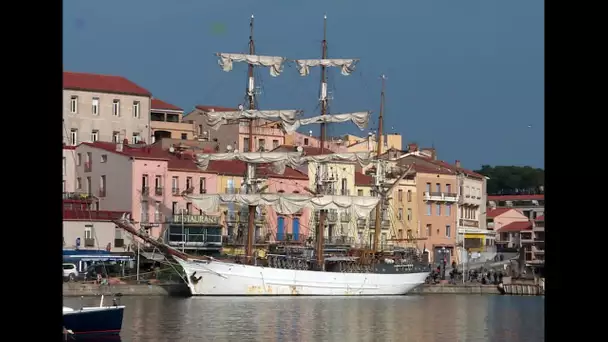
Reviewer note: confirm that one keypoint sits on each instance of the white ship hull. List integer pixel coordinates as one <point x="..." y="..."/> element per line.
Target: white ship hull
<point x="217" y="278"/>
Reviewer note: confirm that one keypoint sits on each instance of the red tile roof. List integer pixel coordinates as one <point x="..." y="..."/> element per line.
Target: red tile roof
<point x="540" y="197"/>
<point x="160" y="104"/>
<point x="69" y="147"/>
<point x="541" y="218"/>
<point x="515" y="227"/>
<point x="496" y="212"/>
<point x="101" y="83"/>
<point x="185" y="162"/>
<point x="363" y="179"/>
<point x="214" y="108"/>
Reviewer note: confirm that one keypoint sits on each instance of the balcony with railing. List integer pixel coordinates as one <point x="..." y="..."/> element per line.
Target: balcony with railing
<point x="102" y="192"/>
<point x="468" y="223"/>
<point x="526" y="237"/>
<point x="440" y="196"/>
<point x="158" y="191"/>
<point x="78" y="196"/>
<point x="145" y="218"/>
<point x="88" y="166"/>
<point x="339" y="240"/>
<point x="175" y="191"/>
<point x="145" y="190"/>
<point x="361" y="223"/>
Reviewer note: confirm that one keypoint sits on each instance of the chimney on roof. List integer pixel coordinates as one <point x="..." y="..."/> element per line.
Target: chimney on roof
<point x="457" y="163"/>
<point x="412" y="147"/>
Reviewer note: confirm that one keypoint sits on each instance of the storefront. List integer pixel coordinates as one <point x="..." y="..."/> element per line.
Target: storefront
<point x="474" y="242"/>
<point x="194" y="233"/>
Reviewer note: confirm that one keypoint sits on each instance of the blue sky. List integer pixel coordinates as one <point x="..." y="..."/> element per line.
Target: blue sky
<point x="466" y="76"/>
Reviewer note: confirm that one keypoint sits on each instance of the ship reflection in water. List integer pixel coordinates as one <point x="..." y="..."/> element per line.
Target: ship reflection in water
<point x="366" y="319"/>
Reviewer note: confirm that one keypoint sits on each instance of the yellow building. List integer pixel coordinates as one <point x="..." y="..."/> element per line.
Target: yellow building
<point x="363" y="144"/>
<point x="166" y="122"/>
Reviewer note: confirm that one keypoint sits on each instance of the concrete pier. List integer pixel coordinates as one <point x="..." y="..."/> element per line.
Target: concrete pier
<point x="457" y="289"/>
<point x="81" y="289"/>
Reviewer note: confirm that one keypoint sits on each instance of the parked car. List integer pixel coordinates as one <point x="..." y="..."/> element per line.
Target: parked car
<point x="70" y="271"/>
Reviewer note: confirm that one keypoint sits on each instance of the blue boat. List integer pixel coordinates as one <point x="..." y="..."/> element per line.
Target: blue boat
<point x="93" y="321"/>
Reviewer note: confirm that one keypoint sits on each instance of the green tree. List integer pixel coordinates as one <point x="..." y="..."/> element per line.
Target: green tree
<point x="513" y="179"/>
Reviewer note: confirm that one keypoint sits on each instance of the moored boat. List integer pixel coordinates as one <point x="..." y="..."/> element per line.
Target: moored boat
<point x="93" y="321"/>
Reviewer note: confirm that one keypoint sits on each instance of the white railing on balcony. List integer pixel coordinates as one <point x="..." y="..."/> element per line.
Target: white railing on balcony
<point x="440" y="196"/>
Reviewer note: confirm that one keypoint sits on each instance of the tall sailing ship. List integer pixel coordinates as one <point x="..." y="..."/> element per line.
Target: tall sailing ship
<point x="305" y="270"/>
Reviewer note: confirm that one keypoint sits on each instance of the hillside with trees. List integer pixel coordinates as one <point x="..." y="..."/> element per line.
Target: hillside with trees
<point x="512" y="180"/>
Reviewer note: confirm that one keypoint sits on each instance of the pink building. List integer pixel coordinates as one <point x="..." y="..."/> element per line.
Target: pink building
<point x="146" y="181"/>
<point x="149" y="182"/>
<point x="500" y="218"/>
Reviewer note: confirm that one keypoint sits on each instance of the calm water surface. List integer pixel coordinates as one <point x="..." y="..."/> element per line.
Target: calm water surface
<point x="465" y="318"/>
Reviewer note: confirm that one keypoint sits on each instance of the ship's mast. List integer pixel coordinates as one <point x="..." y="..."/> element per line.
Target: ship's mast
<point x="250" y="167"/>
<point x="378" y="222"/>
<point x="320" y="189"/>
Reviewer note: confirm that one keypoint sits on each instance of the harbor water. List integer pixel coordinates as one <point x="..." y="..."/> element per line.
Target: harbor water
<point x="465" y="318"/>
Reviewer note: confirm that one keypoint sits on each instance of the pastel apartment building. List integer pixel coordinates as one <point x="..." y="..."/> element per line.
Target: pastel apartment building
<point x="166" y="121"/>
<point x="521" y="233"/>
<point x="104" y="108"/>
<point x="362" y="144"/>
<point x="308" y="140"/>
<point x="531" y="206"/>
<point x="87" y="228"/>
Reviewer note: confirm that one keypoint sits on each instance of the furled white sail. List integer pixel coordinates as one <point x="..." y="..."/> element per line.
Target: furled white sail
<point x="360" y="119"/>
<point x="278" y="160"/>
<point x="347" y="66"/>
<point x="273" y="62"/>
<point x="288" y="204"/>
<point x="216" y="119"/>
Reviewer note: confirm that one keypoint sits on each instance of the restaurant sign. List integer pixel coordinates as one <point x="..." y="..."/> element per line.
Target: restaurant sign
<point x="195" y="219"/>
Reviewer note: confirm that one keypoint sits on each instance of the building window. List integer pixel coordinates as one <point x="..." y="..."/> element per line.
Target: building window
<point x="400" y="195"/>
<point x="78" y="159"/>
<point x="448" y="230"/>
<point x="94" y="135"/>
<point x="95" y="106"/>
<point x="275" y="144"/>
<point x="409" y="195"/>
<point x="174" y="208"/>
<point x="104" y="158"/>
<point x="79" y="183"/>
<point x="64" y="187"/>
<point x="74" y="104"/>
<point x="136" y="138"/>
<point x="188" y="183"/>
<point x="202" y="185"/>
<point x="64" y="165"/>
<point x="400" y="214"/>
<point x="184" y="136"/>
<point x="428" y="209"/>
<point x="73" y="136"/>
<point x="136" y="109"/>
<point x="448" y="188"/>
<point x="115" y="137"/>
<point x="428" y="187"/>
<point x="438" y="209"/>
<point x="306" y="141"/>
<point x="116" y="107"/>
<point x="145" y="213"/>
<point x="438" y="187"/>
<point x="188" y="208"/>
<point x="448" y="210"/>
<point x="89" y="186"/>
<point x="144" y="182"/>
<point x="428" y="230"/>
<point x="245" y="145"/>
<point x="102" y="186"/>
<point x="200" y="131"/>
<point x="360" y="192"/>
<point x="158" y="182"/>
<point x="261" y="145"/>
<point x="175" y="185"/>
<point x="409" y="214"/>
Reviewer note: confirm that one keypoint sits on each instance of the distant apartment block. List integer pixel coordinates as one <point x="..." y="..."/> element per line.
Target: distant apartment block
<point x="166" y="122"/>
<point x="532" y="206"/>
<point x="104" y="108"/>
